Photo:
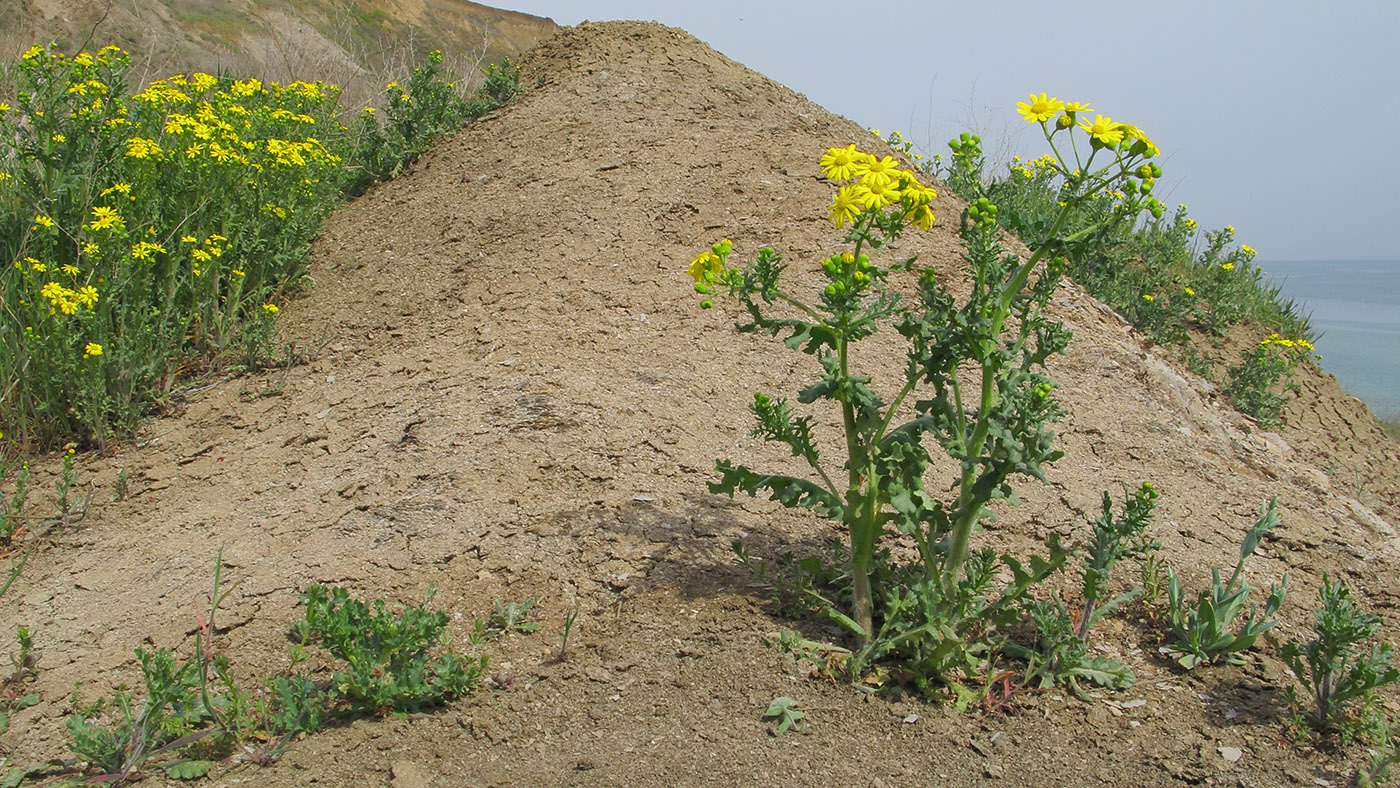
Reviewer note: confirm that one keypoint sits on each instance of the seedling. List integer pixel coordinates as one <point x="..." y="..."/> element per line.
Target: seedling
<point x="570" y="619"/>
<point x="784" y="710"/>
<point x="1332" y="670"/>
<point x="513" y="617"/>
<point x="1208" y="631"/>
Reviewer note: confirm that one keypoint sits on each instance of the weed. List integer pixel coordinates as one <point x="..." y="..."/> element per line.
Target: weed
<point x="12" y="515"/>
<point x="1257" y="384"/>
<point x="119" y="487"/>
<point x="981" y="363"/>
<point x="570" y="620"/>
<point x="1332" y="671"/>
<point x="1208" y="631"/>
<point x="514" y="617"/>
<point x="784" y="710"/>
<point x="1063" y="656"/>
<point x="389" y="665"/>
<point x="12" y="696"/>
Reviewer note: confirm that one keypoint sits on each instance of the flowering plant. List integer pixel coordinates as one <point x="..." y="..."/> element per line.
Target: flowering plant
<point x="973" y="382"/>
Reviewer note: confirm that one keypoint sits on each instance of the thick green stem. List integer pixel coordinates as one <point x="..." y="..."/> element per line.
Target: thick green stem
<point x="862" y="542"/>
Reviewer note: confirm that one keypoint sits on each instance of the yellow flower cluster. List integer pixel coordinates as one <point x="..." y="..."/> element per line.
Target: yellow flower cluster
<point x="871" y="184"/>
<point x="1278" y="341"/>
<point x="1103" y="130"/>
<point x="66" y="300"/>
<point x="707" y="267"/>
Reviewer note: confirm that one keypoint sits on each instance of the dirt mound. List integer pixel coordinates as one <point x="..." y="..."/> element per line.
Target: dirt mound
<point x="517" y="396"/>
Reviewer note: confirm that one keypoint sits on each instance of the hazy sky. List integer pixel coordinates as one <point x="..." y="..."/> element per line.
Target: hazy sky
<point x="1275" y="116"/>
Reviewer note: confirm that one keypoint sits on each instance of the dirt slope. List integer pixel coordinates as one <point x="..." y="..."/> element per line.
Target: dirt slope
<point x="358" y="45"/>
<point x="517" y="396"/>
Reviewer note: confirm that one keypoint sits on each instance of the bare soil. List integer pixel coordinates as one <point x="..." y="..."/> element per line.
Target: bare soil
<point x="514" y="395"/>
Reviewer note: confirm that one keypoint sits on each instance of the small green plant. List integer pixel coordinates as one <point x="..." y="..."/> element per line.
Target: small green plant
<point x="570" y="621"/>
<point x="12" y="515"/>
<point x="514" y="617"/>
<point x="1265" y="372"/>
<point x="979" y="365"/>
<point x="12" y="695"/>
<point x="1209" y="630"/>
<point x="389" y="659"/>
<point x="784" y="710"/>
<point x="1063" y="656"/>
<point x="1333" y="671"/>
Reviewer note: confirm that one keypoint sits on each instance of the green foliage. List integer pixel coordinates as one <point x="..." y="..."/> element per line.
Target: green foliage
<point x="1063" y="657"/>
<point x="1163" y="274"/>
<point x="12" y="514"/>
<point x="417" y="115"/>
<point x="514" y="617"/>
<point x="973" y="378"/>
<point x="785" y="711"/>
<point x="1114" y="539"/>
<point x="1257" y="384"/>
<point x="1208" y="631"/>
<point x="146" y="235"/>
<point x="388" y="655"/>
<point x="1332" y="670"/>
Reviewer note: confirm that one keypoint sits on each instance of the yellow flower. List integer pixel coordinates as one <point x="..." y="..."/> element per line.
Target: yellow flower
<point x="1190" y="292"/>
<point x="142" y="148"/>
<point x="38" y="267"/>
<point x="1148" y="298"/>
<point x="92" y="349"/>
<point x="104" y="218"/>
<point x="83" y="59"/>
<point x="845" y="206"/>
<point x="43" y="221"/>
<point x="875" y="171"/>
<point x="87" y="296"/>
<point x="874" y="193"/>
<point x="839" y="164"/>
<point x="1227" y="266"/>
<point x="1135" y="133"/>
<point x="70" y="269"/>
<point x="188" y="239"/>
<point x="1248" y="251"/>
<point x="271" y="309"/>
<point x="1040" y="108"/>
<point x="200" y="255"/>
<point x="123" y="188"/>
<point x="921" y="217"/>
<point x="1104" y="130"/>
<point x="144" y="250"/>
<point x="237" y="272"/>
<point x="1072" y="107"/>
<point x="91" y="248"/>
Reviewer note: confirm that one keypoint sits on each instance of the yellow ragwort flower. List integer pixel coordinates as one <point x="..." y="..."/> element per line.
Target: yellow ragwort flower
<point x="874" y="193"/>
<point x="839" y="164"/>
<point x="1104" y="130"/>
<point x="875" y="171"/>
<point x="1040" y="108"/>
<point x="92" y="349"/>
<point x="845" y="206"/>
<point x="271" y="309"/>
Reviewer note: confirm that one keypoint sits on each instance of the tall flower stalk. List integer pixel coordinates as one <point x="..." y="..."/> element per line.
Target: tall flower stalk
<point x="972" y="381"/>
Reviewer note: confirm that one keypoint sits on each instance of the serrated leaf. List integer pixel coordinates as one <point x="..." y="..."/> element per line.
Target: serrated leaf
<point x="187" y="769"/>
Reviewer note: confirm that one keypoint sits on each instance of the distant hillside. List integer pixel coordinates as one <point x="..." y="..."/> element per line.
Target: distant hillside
<point x="354" y="44"/>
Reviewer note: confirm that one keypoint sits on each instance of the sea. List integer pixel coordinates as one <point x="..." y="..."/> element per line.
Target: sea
<point x="1355" y="306"/>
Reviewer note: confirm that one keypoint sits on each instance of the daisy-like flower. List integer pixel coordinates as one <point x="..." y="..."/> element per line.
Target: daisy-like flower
<point x="104" y="218"/>
<point x="272" y="309"/>
<point x="69" y="268"/>
<point x="839" y="164"/>
<point x="873" y="170"/>
<point x="921" y="217"/>
<point x="845" y="206"/>
<point x="1040" y="108"/>
<point x="873" y="193"/>
<point x="92" y="349"/>
<point x="87" y="296"/>
<point x="1104" y="130"/>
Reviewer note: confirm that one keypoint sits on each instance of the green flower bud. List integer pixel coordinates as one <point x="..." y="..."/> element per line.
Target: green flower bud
<point x="706" y="304"/>
<point x="1156" y="170"/>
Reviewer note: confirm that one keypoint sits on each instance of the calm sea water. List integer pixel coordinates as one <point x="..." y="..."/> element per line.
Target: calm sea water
<point x="1355" y="304"/>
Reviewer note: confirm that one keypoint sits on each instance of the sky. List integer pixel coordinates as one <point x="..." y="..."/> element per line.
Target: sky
<point x="1274" y="116"/>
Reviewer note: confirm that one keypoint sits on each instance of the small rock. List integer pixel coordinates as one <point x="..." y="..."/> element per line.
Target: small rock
<point x="993" y="772"/>
<point x="911" y="719"/>
<point x="407" y="774"/>
<point x="1231" y="754"/>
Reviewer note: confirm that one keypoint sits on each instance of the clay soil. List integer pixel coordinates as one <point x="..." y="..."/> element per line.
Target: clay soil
<point x="513" y="394"/>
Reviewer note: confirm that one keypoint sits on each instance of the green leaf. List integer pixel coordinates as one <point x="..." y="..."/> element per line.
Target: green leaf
<point x="187" y="769"/>
<point x="787" y="490"/>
